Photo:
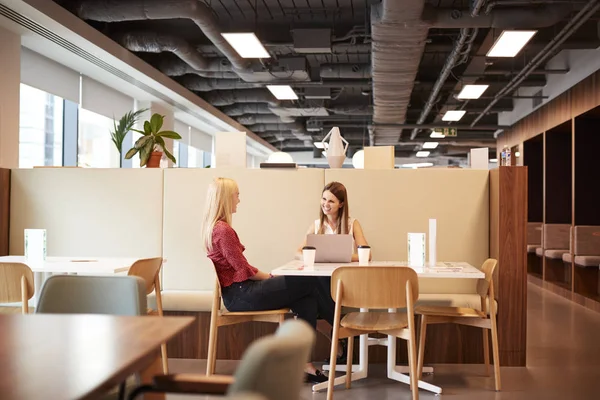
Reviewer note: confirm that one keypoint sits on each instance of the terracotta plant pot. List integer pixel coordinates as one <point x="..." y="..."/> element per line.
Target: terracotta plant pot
<point x="154" y="160"/>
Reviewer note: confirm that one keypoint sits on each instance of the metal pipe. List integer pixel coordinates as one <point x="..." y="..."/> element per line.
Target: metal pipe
<point x="582" y="16"/>
<point x="493" y="4"/>
<point x="448" y="65"/>
<point x="441" y="125"/>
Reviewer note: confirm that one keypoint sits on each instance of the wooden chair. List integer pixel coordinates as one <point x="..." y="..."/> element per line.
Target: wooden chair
<point x="374" y="288"/>
<point x="468" y="316"/>
<point x="16" y="285"/>
<point x="221" y="317"/>
<point x="149" y="270"/>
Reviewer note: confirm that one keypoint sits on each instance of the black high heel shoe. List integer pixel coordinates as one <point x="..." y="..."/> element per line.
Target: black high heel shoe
<point x="317" y="377"/>
<point x="342" y="358"/>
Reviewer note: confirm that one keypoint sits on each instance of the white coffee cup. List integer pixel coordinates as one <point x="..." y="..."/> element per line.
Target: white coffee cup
<point x="308" y="256"/>
<point x="364" y="253"/>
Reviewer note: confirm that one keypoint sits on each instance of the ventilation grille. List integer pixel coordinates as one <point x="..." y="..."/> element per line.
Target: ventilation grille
<point x="41" y="31"/>
<point x="538" y="99"/>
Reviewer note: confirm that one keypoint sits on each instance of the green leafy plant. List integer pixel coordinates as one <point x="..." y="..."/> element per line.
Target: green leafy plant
<point x="152" y="140"/>
<point x="121" y="129"/>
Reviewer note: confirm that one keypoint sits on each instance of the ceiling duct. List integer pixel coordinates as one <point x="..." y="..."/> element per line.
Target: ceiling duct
<point x="206" y="85"/>
<point x="399" y="31"/>
<point x="296" y="126"/>
<point x="153" y="42"/>
<point x="250" y="119"/>
<point x="236" y="110"/>
<point x="345" y="71"/>
<point x="139" y="10"/>
<point x="351" y="110"/>
<point x="228" y="97"/>
<point x="398" y="40"/>
<point x="536" y="16"/>
<point x="221" y="68"/>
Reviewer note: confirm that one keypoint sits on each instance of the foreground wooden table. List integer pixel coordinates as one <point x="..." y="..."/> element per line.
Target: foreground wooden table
<point x="52" y="356"/>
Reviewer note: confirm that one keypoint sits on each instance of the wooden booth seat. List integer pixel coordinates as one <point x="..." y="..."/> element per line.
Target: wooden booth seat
<point x="556" y="240"/>
<point x="586" y="247"/>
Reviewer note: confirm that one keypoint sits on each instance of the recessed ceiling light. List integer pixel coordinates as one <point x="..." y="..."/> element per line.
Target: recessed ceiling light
<point x="430" y="145"/>
<point x="517" y="154"/>
<point x="510" y="43"/>
<point x="472" y="91"/>
<point x="422" y="153"/>
<point x="453" y="115"/>
<point x="319" y="145"/>
<point x="283" y="92"/>
<point x="247" y="45"/>
<point x="436" y="135"/>
<point x="493" y="160"/>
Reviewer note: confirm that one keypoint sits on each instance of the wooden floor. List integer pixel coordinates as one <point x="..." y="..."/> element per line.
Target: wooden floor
<point x="563" y="362"/>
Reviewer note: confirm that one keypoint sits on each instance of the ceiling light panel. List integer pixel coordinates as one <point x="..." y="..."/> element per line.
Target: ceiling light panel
<point x="510" y="43"/>
<point x="247" y="45"/>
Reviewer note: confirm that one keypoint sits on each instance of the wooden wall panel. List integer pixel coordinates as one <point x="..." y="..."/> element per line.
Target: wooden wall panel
<point x="577" y="100"/>
<point x="508" y="207"/>
<point x="4" y="210"/>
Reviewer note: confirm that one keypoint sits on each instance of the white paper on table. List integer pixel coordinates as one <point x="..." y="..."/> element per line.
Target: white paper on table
<point x="432" y="241"/>
<point x="35" y="244"/>
<point x="416" y="249"/>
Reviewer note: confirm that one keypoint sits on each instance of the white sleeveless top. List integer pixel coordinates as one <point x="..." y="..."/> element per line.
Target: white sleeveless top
<point x="329" y="231"/>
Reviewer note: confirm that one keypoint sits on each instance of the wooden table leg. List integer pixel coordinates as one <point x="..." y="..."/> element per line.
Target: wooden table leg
<point x="148" y="374"/>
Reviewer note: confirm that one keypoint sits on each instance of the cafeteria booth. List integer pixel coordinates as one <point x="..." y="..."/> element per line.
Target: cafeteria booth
<point x="143" y="213"/>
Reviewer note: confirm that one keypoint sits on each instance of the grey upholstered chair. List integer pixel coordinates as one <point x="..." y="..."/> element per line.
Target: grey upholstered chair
<point x="75" y="294"/>
<point x="273" y="366"/>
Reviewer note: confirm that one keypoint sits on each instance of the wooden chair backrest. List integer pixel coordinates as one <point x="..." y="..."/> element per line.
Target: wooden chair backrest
<point x="147" y="269"/>
<point x="375" y="287"/>
<point x="14" y="277"/>
<point x="483" y="284"/>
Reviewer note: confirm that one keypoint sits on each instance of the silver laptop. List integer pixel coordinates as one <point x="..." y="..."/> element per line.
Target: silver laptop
<point x="331" y="248"/>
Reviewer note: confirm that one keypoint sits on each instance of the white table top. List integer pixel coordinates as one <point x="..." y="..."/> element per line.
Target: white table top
<point x="441" y="269"/>
<point x="79" y="265"/>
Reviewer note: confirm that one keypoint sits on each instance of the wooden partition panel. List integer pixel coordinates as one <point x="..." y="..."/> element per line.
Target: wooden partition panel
<point x="391" y="203"/>
<point x="508" y="234"/>
<point x="89" y="212"/>
<point x="4" y="210"/>
<point x="276" y="208"/>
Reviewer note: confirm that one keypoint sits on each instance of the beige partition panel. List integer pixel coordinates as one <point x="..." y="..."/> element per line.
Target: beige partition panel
<point x="276" y="208"/>
<point x="89" y="212"/>
<point x="391" y="203"/>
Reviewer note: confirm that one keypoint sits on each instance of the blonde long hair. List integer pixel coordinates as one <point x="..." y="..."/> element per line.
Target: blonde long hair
<point x="219" y="202"/>
<point x="339" y="191"/>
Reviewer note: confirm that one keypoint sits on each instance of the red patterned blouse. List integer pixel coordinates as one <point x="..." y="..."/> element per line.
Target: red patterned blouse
<point x="228" y="257"/>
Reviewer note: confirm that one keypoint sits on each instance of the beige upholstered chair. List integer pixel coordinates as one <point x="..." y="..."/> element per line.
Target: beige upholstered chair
<point x="221" y="317"/>
<point x="149" y="270"/>
<point x="468" y="316"/>
<point x="273" y="367"/>
<point x="374" y="288"/>
<point x="16" y="285"/>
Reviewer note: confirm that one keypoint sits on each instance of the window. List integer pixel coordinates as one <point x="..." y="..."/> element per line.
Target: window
<point x="40" y="128"/>
<point x="95" y="147"/>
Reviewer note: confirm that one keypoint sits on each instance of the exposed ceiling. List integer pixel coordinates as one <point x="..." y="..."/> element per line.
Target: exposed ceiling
<point x="384" y="71"/>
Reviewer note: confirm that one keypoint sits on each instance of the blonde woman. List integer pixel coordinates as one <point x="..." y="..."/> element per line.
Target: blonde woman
<point x="246" y="288"/>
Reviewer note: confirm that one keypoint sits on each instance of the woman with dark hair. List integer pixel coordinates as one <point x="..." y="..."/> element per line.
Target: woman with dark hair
<point x="334" y="218"/>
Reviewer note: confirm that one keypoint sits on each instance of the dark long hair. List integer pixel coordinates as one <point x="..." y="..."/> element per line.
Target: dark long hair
<point x="339" y="191"/>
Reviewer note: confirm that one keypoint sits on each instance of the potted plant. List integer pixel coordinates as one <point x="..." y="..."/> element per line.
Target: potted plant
<point x="121" y="129"/>
<point x="152" y="143"/>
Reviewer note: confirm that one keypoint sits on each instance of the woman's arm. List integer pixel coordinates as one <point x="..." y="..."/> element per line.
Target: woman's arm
<point x="359" y="239"/>
<point x="230" y="246"/>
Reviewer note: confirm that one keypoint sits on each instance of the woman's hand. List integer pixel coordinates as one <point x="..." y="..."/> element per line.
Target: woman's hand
<point x="261" y="276"/>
